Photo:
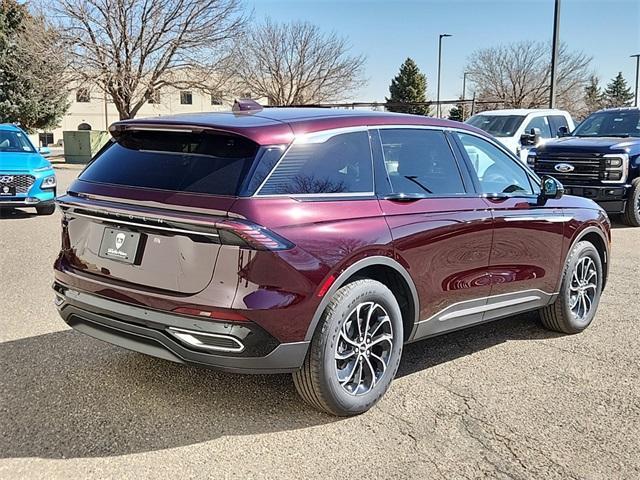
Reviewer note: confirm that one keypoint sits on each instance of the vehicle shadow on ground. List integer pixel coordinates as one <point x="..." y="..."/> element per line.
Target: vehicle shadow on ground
<point x="65" y="395"/>
<point x="16" y="214"/>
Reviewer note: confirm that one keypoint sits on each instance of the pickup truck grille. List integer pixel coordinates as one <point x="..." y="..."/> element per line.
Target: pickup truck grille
<point x="585" y="168"/>
<point x="21" y="182"/>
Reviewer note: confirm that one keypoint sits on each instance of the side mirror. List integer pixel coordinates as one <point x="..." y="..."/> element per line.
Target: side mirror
<point x="44" y="151"/>
<point x="551" y="189"/>
<point x="535" y="133"/>
<point x="563" y="131"/>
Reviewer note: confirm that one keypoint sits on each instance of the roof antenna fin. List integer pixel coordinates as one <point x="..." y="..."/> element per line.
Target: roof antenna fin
<point x="246" y="105"/>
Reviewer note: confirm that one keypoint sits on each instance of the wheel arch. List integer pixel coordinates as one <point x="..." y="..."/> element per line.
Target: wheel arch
<point x="598" y="239"/>
<point x="385" y="270"/>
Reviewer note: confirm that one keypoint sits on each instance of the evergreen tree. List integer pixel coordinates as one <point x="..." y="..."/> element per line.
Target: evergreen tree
<point x="617" y="93"/>
<point x="32" y="71"/>
<point x="592" y="96"/>
<point x="457" y="112"/>
<point x="409" y="86"/>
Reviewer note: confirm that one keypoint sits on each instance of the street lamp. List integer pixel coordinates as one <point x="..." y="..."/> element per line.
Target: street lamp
<point x="442" y="35"/>
<point x="637" y="57"/>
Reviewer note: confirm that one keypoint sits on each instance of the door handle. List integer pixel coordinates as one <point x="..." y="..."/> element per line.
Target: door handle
<point x="498" y="197"/>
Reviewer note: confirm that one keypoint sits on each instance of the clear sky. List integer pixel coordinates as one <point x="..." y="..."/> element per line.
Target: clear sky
<point x="388" y="31"/>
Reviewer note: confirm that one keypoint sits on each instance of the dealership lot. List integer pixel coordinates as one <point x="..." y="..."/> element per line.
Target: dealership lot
<point x="505" y="400"/>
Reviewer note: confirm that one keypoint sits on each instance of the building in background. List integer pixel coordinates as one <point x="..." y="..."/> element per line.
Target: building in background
<point x="89" y="109"/>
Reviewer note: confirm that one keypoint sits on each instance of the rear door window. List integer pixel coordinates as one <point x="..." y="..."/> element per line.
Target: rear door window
<point x="210" y="163"/>
<point x="420" y="161"/>
<point x="324" y="164"/>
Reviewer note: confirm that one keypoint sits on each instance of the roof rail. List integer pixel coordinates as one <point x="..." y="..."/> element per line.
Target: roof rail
<point x="246" y="105"/>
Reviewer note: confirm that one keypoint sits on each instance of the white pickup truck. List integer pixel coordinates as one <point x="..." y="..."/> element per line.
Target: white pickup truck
<point x="521" y="129"/>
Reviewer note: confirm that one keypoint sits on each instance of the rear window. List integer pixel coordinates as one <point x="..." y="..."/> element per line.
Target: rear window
<point x="340" y="164"/>
<point x="208" y="162"/>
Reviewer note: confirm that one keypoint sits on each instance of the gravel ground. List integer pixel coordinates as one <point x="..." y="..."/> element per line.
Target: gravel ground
<point x="502" y="400"/>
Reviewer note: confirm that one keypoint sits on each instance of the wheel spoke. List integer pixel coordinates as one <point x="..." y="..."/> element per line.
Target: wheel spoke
<point x="344" y="356"/>
<point x="383" y="320"/>
<point x="373" y="372"/>
<point x="382" y="338"/>
<point x="350" y="376"/>
<point x="381" y="360"/>
<point x="344" y="336"/>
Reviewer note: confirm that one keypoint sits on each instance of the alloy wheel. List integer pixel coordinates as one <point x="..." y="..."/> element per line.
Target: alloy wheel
<point x="363" y="348"/>
<point x="583" y="287"/>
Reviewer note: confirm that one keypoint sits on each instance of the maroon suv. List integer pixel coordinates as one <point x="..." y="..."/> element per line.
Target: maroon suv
<point x="317" y="242"/>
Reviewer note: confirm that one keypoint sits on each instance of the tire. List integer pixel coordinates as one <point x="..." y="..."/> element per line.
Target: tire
<point x="631" y="214"/>
<point x="318" y="381"/>
<point x="570" y="314"/>
<point x="46" y="210"/>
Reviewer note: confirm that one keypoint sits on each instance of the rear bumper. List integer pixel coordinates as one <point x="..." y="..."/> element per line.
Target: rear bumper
<point x="612" y="198"/>
<point x="158" y="334"/>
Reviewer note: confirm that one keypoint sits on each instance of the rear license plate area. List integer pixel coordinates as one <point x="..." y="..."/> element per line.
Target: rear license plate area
<point x="120" y="245"/>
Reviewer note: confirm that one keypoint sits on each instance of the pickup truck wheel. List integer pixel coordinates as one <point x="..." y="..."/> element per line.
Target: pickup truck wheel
<point x="632" y="212"/>
<point x="580" y="291"/>
<point x="355" y="351"/>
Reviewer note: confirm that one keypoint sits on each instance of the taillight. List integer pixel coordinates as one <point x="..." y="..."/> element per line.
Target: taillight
<point x="242" y="233"/>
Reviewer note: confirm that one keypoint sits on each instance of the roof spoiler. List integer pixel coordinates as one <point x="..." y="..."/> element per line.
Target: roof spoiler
<point x="246" y="105"/>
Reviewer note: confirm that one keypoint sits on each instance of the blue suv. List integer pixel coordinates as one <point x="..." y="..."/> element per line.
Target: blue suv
<point x="27" y="179"/>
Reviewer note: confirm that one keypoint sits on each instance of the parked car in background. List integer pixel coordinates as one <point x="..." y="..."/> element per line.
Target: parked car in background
<point x="27" y="179"/>
<point x="600" y="160"/>
<point x="521" y="129"/>
<point x="317" y="242"/>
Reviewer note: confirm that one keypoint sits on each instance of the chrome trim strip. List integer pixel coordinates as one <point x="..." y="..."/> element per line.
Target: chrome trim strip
<point x="530" y="292"/>
<point x="143" y="225"/>
<point x="539" y="218"/>
<point x="187" y="336"/>
<point x="488" y="307"/>
<point x="143" y="203"/>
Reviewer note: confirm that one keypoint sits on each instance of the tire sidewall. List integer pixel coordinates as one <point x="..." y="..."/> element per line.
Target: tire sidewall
<point x="633" y="211"/>
<point x="581" y="250"/>
<point x="365" y="291"/>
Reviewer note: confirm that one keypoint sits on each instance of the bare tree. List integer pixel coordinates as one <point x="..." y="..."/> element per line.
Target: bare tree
<point x="518" y="75"/>
<point x="133" y="48"/>
<point x="296" y="63"/>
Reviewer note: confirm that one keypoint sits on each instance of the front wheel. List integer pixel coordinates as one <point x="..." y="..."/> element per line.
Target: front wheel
<point x="632" y="211"/>
<point x="580" y="291"/>
<point x="355" y="351"/>
<point x="46" y="209"/>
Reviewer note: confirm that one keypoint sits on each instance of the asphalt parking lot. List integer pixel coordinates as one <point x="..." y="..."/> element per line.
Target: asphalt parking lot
<point x="502" y="400"/>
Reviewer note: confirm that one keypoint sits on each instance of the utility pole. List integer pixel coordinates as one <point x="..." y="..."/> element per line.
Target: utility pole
<point x="637" y="57"/>
<point x="464" y="95"/>
<point x="442" y="35"/>
<point x="554" y="54"/>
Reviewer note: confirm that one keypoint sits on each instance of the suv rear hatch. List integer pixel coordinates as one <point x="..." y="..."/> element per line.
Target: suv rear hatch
<point x="151" y="210"/>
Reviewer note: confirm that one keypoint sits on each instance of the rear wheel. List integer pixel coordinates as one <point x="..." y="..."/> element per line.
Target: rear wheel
<point x="355" y="351"/>
<point x="631" y="214"/>
<point x="580" y="291"/>
<point x="46" y="209"/>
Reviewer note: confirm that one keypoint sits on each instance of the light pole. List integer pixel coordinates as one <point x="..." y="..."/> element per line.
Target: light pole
<point x="464" y="94"/>
<point x="637" y="57"/>
<point x="442" y="35"/>
<point x="554" y="54"/>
